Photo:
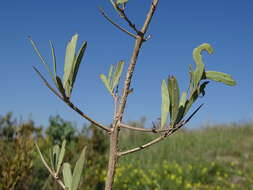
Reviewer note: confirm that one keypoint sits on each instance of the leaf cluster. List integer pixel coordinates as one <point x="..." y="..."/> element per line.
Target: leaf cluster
<point x="177" y="107"/>
<point x="70" y="181"/>
<point x="71" y="65"/>
<point x="112" y="80"/>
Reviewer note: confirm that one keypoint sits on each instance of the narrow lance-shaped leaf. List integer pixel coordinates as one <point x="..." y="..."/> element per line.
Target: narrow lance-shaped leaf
<point x="60" y="87"/>
<point x="38" y="149"/>
<point x="41" y="58"/>
<point x="55" y="156"/>
<point x="181" y="109"/>
<point x="195" y="95"/>
<point x="191" y="74"/>
<point x="117" y="73"/>
<point x="54" y="60"/>
<point x="220" y="77"/>
<point x="67" y="175"/>
<point x="76" y="64"/>
<point x="110" y="76"/>
<point x="61" y="156"/>
<point x="69" y="61"/>
<point x="42" y="158"/>
<point x="174" y="98"/>
<point x="78" y="170"/>
<point x="200" y="67"/>
<point x="106" y="83"/>
<point x="165" y="104"/>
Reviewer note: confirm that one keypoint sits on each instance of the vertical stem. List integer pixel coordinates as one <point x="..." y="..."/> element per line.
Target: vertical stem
<point x="113" y="152"/>
<point x="113" y="159"/>
<point x="114" y="149"/>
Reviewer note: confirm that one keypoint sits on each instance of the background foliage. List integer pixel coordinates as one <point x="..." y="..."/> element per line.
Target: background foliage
<point x="217" y="157"/>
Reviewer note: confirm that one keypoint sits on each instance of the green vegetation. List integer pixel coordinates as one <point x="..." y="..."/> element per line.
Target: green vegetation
<point x="218" y="157"/>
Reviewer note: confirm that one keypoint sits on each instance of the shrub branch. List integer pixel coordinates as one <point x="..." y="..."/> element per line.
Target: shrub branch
<point x="71" y="105"/>
<point x="169" y="131"/>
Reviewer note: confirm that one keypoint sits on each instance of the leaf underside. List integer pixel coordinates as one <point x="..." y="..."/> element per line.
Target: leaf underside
<point x="165" y="104"/>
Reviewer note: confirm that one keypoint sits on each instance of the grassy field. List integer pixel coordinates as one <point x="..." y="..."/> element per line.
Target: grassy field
<point x="218" y="157"/>
<point x="214" y="158"/>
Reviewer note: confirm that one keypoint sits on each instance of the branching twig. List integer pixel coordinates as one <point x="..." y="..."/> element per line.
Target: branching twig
<point x="156" y="130"/>
<point x="55" y="176"/>
<point x="116" y="25"/>
<point x="124" y="16"/>
<point x="160" y="138"/>
<point x="71" y="105"/>
<point x="107" y="129"/>
<point x="169" y="132"/>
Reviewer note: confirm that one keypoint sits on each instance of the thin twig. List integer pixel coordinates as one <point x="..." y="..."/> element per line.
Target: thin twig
<point x="160" y="138"/>
<point x="47" y="83"/>
<point x="156" y="130"/>
<point x="149" y="16"/>
<point x="107" y="129"/>
<point x="142" y="129"/>
<point x="71" y="105"/>
<point x="169" y="132"/>
<point x="116" y="25"/>
<point x="124" y="16"/>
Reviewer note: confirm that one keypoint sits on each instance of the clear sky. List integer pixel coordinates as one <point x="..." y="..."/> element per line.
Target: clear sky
<point x="177" y="28"/>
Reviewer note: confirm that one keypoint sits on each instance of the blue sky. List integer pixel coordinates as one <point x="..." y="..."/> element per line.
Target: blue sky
<point x="177" y="28"/>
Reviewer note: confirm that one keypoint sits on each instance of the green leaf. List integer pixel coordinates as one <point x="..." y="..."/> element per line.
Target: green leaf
<point x="110" y="76"/>
<point x="174" y="98"/>
<point x="117" y="73"/>
<point x="122" y="1"/>
<point x="67" y="176"/>
<point x="41" y="58"/>
<point x="78" y="170"/>
<point x="54" y="60"/>
<point x="114" y="74"/>
<point x="198" y="73"/>
<point x="60" y="86"/>
<point x="68" y="64"/>
<point x="191" y="74"/>
<point x="61" y="156"/>
<point x="165" y="104"/>
<point x="181" y="109"/>
<point x="220" y="77"/>
<point x="72" y="63"/>
<point x="41" y="156"/>
<point x="55" y="156"/>
<point x="200" y="67"/>
<point x="194" y="95"/>
<point x="183" y="99"/>
<point x="77" y="63"/>
<point x="106" y="83"/>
